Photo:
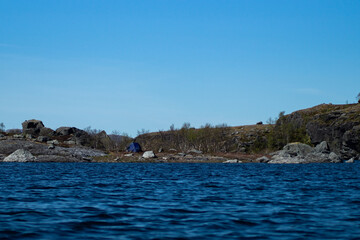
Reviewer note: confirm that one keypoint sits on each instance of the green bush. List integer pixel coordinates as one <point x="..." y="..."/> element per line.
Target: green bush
<point x="284" y="132"/>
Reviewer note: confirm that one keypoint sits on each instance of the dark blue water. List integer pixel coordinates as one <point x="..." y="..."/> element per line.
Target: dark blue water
<point x="168" y="201"/>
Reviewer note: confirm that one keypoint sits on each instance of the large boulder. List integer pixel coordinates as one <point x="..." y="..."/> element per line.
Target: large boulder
<point x="297" y="149"/>
<point x="65" y="131"/>
<point x="32" y="127"/>
<point x="149" y="154"/>
<point x="80" y="137"/>
<point x="302" y="153"/>
<point x="20" y="155"/>
<point x="47" y="132"/>
<point x="103" y="140"/>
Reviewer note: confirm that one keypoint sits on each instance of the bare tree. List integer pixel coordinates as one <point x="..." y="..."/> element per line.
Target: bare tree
<point x="142" y="131"/>
<point x="2" y="127"/>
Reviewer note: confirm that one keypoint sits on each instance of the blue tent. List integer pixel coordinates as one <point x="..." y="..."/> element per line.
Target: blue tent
<point x="134" y="147"/>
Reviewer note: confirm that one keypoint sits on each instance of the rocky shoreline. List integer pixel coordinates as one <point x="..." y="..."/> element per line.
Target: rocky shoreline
<point x="333" y="130"/>
<point x="23" y="150"/>
<point x="47" y="153"/>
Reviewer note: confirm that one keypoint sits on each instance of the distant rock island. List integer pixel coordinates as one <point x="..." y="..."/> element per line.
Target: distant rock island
<point x="324" y="133"/>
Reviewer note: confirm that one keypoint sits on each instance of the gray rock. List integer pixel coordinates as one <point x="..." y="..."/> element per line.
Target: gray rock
<point x="334" y="158"/>
<point x="148" y="154"/>
<point x="181" y="154"/>
<point x="20" y="155"/>
<point x="55" y="142"/>
<point x="51" y="146"/>
<point x="352" y="160"/>
<point x="72" y="154"/>
<point x="297" y="149"/>
<point x="302" y="153"/>
<point x="28" y="136"/>
<point x="42" y="139"/>
<point x="103" y="140"/>
<point x="160" y="150"/>
<point x="322" y="147"/>
<point x="18" y="136"/>
<point x="263" y="159"/>
<point x="195" y="151"/>
<point x="129" y="155"/>
<point x="88" y="159"/>
<point x="232" y="161"/>
<point x="317" y="157"/>
<point x="48" y="132"/>
<point x="65" y="131"/>
<point x="32" y="127"/>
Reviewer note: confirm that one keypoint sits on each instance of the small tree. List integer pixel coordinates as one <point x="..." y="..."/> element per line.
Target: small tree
<point x="142" y="131"/>
<point x="2" y="127"/>
<point x="358" y="97"/>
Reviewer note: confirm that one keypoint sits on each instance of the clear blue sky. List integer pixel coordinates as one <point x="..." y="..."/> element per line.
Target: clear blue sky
<point x="128" y="65"/>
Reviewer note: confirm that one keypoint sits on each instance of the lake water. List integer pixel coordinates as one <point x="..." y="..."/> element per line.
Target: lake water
<point x="188" y="201"/>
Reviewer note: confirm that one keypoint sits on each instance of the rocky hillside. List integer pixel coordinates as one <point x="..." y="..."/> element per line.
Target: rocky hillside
<point x="338" y="125"/>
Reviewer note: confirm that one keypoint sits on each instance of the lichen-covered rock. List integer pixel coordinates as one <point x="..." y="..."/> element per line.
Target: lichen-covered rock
<point x="20" y="155"/>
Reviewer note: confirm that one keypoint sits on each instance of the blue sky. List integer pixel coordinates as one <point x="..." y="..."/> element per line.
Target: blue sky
<point x="131" y="65"/>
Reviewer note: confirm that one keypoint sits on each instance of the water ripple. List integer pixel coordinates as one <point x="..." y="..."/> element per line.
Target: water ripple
<point x="179" y="201"/>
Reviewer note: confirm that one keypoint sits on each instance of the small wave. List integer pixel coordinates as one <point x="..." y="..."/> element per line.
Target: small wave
<point x="40" y="187"/>
<point x="245" y="222"/>
<point x="182" y="210"/>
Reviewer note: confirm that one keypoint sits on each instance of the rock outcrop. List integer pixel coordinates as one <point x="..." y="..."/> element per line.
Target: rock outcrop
<point x="32" y="127"/>
<point x="338" y="125"/>
<point x="45" y="154"/>
<point x="75" y="136"/>
<point x="103" y="140"/>
<point x="20" y="155"/>
<point x="302" y="153"/>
